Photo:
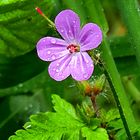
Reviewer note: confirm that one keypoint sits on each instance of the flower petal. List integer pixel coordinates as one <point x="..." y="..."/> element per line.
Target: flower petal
<point x="81" y="66"/>
<point x="90" y="37"/>
<point x="50" y="48"/>
<point x="59" y="69"/>
<point x="68" y="25"/>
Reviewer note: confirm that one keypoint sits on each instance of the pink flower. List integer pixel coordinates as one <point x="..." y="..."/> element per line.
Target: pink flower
<point x="69" y="56"/>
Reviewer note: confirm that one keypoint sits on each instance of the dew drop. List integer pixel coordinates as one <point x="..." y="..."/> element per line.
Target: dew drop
<point x="53" y="56"/>
<point x="91" y="65"/>
<point x="57" y="70"/>
<point x="20" y="85"/>
<point x="85" y="75"/>
<point x="97" y="36"/>
<point x="28" y="126"/>
<point x="53" y="41"/>
<point x="87" y="61"/>
<point x="48" y="52"/>
<point x="57" y="64"/>
<point x="74" y="21"/>
<point x="61" y="30"/>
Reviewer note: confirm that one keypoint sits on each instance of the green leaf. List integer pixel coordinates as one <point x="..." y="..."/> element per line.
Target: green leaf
<point x="121" y="46"/>
<point x="116" y="124"/>
<point x="62" y="124"/>
<point x="112" y="115"/>
<point x="122" y="57"/>
<point x="19" y="69"/>
<point x="126" y="67"/>
<point x="61" y="106"/>
<point x="16" y="16"/>
<point x="99" y="134"/>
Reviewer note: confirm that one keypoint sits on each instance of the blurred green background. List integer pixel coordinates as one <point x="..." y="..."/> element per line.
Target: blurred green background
<point x="25" y="86"/>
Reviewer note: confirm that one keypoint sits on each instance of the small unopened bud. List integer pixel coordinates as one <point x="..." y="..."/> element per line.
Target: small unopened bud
<point x="43" y="15"/>
<point x="85" y="87"/>
<point x="39" y="11"/>
<point x="99" y="85"/>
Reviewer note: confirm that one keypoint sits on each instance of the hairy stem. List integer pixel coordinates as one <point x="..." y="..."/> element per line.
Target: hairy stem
<point x="116" y="84"/>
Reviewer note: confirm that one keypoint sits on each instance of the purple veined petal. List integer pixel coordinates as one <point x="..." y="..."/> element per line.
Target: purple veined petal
<point x="59" y="69"/>
<point x="50" y="48"/>
<point x="90" y="37"/>
<point x="68" y="25"/>
<point x="81" y="66"/>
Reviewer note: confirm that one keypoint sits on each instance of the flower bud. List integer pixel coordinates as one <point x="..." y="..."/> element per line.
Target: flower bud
<point x="99" y="85"/>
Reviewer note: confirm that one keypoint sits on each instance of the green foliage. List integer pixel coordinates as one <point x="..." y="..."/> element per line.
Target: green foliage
<point x="25" y="67"/>
<point x="61" y="124"/>
<point x="21" y="26"/>
<point x="26" y="77"/>
<point x="99" y="134"/>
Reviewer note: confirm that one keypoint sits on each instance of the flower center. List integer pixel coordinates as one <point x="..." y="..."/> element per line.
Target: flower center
<point x="73" y="48"/>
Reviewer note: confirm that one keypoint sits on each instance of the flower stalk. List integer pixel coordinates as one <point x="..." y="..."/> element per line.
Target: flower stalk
<point x="43" y="15"/>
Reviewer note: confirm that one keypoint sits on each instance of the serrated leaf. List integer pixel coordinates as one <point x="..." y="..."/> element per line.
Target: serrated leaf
<point x="19" y="15"/>
<point x="99" y="134"/>
<point x="116" y="124"/>
<point x="112" y="115"/>
<point x="62" y="107"/>
<point x="62" y="124"/>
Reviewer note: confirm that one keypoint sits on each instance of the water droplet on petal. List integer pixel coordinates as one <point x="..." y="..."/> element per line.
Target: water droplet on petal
<point x="44" y="40"/>
<point x="61" y="30"/>
<point x="57" y="70"/>
<point x="57" y="64"/>
<point x="87" y="61"/>
<point x="53" y="69"/>
<point x="85" y="75"/>
<point x="91" y="65"/>
<point x="53" y="56"/>
<point x="48" y="52"/>
<point x="74" y="21"/>
<point x="53" y="41"/>
<point x="97" y="36"/>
